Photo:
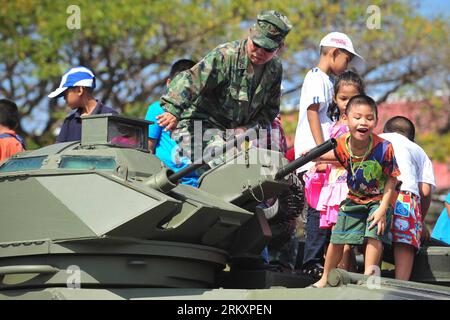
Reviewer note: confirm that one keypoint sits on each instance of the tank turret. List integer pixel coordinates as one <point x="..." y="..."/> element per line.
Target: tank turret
<point x="105" y="215"/>
<point x="69" y="203"/>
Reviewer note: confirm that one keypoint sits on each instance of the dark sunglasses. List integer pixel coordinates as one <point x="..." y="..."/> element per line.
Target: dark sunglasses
<point x="265" y="49"/>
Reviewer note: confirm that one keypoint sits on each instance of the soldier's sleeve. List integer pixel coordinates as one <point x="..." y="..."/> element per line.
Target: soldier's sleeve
<point x="271" y="108"/>
<point x="188" y="85"/>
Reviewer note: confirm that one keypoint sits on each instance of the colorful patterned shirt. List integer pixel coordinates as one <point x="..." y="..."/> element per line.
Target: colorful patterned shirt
<point x="367" y="176"/>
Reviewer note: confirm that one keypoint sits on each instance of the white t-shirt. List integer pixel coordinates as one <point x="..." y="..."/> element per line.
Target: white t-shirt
<point x="413" y="162"/>
<point x="317" y="88"/>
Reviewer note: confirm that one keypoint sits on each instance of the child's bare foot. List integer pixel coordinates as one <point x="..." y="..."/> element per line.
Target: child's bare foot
<point x="320" y="284"/>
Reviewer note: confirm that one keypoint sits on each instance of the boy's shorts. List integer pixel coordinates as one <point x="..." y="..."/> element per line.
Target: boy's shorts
<point x="407" y="227"/>
<point x="352" y="226"/>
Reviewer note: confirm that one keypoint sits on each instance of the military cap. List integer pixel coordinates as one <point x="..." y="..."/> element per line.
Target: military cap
<point x="270" y="29"/>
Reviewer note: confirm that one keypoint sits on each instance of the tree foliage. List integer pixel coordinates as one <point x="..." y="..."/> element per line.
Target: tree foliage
<point x="130" y="45"/>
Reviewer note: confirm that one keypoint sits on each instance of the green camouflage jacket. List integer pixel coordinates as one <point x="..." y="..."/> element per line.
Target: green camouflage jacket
<point x="216" y="90"/>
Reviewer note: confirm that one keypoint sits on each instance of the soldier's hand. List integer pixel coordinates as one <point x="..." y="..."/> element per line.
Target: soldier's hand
<point x="167" y="120"/>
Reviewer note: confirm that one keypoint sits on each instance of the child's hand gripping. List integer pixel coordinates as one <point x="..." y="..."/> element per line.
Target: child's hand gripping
<point x="379" y="219"/>
<point x="320" y="166"/>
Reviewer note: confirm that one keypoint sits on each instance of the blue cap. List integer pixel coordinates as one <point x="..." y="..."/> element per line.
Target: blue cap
<point x="74" y="77"/>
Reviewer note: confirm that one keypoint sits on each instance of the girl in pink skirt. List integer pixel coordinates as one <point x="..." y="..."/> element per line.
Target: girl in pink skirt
<point x="327" y="197"/>
<point x="334" y="189"/>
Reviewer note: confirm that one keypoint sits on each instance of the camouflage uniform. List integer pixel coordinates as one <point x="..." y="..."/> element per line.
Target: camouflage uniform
<point x="218" y="90"/>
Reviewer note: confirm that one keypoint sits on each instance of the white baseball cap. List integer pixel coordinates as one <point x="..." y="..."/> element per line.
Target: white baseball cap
<point x="77" y="76"/>
<point x="339" y="40"/>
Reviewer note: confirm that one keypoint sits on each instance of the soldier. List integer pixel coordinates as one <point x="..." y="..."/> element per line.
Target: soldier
<point x="235" y="86"/>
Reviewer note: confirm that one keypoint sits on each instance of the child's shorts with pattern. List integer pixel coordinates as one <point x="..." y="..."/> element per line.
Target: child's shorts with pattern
<point x="352" y="226"/>
<point x="407" y="227"/>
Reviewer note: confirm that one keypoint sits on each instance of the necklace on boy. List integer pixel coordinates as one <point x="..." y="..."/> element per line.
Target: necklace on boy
<point x="353" y="167"/>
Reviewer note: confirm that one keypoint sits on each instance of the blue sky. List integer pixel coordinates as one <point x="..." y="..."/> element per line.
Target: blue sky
<point x="432" y="8"/>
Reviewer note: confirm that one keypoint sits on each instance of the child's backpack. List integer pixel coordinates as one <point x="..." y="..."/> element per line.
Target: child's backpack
<point x="15" y="136"/>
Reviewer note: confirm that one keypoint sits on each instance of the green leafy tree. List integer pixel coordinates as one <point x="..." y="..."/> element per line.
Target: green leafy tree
<point x="130" y="45"/>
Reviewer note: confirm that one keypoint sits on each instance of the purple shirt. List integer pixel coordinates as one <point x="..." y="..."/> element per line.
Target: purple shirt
<point x="71" y="128"/>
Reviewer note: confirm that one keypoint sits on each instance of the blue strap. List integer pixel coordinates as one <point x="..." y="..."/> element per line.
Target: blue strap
<point x="17" y="137"/>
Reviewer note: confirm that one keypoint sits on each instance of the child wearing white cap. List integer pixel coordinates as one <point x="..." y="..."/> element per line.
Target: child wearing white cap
<point x="77" y="86"/>
<point x="336" y="52"/>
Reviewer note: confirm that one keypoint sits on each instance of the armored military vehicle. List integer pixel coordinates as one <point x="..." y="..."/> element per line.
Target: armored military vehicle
<point x="102" y="218"/>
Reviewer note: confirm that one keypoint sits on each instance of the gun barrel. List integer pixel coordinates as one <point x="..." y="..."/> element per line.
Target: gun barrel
<point x="311" y="155"/>
<point x="208" y="156"/>
<point x="184" y="172"/>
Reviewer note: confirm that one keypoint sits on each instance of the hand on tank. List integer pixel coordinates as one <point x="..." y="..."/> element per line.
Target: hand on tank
<point x="319" y="166"/>
<point x="167" y="120"/>
<point x="303" y="153"/>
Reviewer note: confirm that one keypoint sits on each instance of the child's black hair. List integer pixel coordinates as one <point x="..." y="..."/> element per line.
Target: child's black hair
<point x="9" y="114"/>
<point x="348" y="77"/>
<point x="401" y="125"/>
<point x="362" y="99"/>
<point x="179" y="66"/>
